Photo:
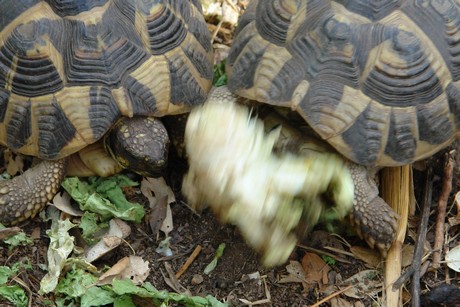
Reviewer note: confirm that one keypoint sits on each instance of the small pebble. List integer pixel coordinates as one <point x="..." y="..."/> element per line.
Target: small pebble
<point x="197" y="279"/>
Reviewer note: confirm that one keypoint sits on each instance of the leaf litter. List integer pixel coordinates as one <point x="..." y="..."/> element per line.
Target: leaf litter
<point x="160" y="197"/>
<point x="132" y="267"/>
<point x="70" y="276"/>
<point x="80" y="273"/>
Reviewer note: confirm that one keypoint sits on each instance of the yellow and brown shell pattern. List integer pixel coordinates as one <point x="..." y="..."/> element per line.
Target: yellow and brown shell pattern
<point x="379" y="80"/>
<point x="70" y="69"/>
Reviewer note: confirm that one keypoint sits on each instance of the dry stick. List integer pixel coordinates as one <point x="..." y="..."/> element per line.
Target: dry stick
<point x="189" y="261"/>
<point x="442" y="205"/>
<point x="327" y="298"/>
<point x="230" y="3"/>
<point x="219" y="25"/>
<point x="24" y="285"/>
<point x="216" y="30"/>
<point x="397" y="191"/>
<point x="419" y="244"/>
<point x="417" y="262"/>
<point x="319" y="251"/>
<point x="265" y="301"/>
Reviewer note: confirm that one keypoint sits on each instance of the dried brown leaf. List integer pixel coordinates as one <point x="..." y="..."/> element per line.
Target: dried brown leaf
<point x="326" y="239"/>
<point x="315" y="269"/>
<point x="453" y="221"/>
<point x="160" y="196"/>
<point x="5" y="233"/>
<point x="36" y="233"/>
<point x="407" y="255"/>
<point x="453" y="258"/>
<point x="139" y="269"/>
<point x="295" y="273"/>
<point x="369" y="256"/>
<point x="132" y="267"/>
<point x="62" y="202"/>
<point x="119" y="230"/>
<point x="158" y="215"/>
<point x="340" y="302"/>
<point x="156" y="188"/>
<point x="115" y="271"/>
<point x="366" y="283"/>
<point x="167" y="226"/>
<point x="457" y="205"/>
<point x="112" y="241"/>
<point x="173" y="282"/>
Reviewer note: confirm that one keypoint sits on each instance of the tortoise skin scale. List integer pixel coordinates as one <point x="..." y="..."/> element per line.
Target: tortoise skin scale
<point x="70" y="69"/>
<point x="379" y="80"/>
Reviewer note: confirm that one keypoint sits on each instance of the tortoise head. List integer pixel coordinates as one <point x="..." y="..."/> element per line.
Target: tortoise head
<point x="140" y="144"/>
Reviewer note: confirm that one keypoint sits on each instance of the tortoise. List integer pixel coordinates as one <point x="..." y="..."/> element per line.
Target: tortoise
<point x="78" y="75"/>
<point x="377" y="80"/>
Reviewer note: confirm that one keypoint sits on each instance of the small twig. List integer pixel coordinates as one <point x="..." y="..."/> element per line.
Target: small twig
<point x="327" y="298"/>
<point x="267" y="291"/>
<point x="219" y="25"/>
<point x="129" y="245"/>
<point x="442" y="207"/>
<point x="424" y="268"/>
<point x="230" y="3"/>
<point x="146" y="235"/>
<point x="321" y="252"/>
<point x="423" y="228"/>
<point x="220" y="29"/>
<point x="403" y="278"/>
<point x="447" y="276"/>
<point x="24" y="285"/>
<point x="173" y="282"/>
<point x="264" y="301"/>
<point x="338" y="251"/>
<point x="179" y="255"/>
<point x="189" y="261"/>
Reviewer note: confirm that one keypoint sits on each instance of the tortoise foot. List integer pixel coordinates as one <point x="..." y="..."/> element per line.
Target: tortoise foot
<point x="373" y="218"/>
<point x="25" y="195"/>
<point x="376" y="223"/>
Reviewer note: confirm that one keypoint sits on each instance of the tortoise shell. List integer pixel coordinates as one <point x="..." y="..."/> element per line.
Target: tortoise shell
<point x="69" y="69"/>
<point x="379" y="80"/>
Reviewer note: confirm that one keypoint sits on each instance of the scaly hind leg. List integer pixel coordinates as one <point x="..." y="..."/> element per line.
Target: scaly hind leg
<point x="372" y="217"/>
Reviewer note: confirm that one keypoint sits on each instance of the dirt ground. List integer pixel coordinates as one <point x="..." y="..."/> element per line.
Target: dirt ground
<point x="231" y="280"/>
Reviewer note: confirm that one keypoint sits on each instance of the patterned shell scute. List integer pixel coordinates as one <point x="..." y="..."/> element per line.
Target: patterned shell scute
<point x="65" y="8"/>
<point x="69" y="69"/>
<point x="379" y="80"/>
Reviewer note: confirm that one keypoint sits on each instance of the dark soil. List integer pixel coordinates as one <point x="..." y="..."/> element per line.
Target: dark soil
<point x="229" y="281"/>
